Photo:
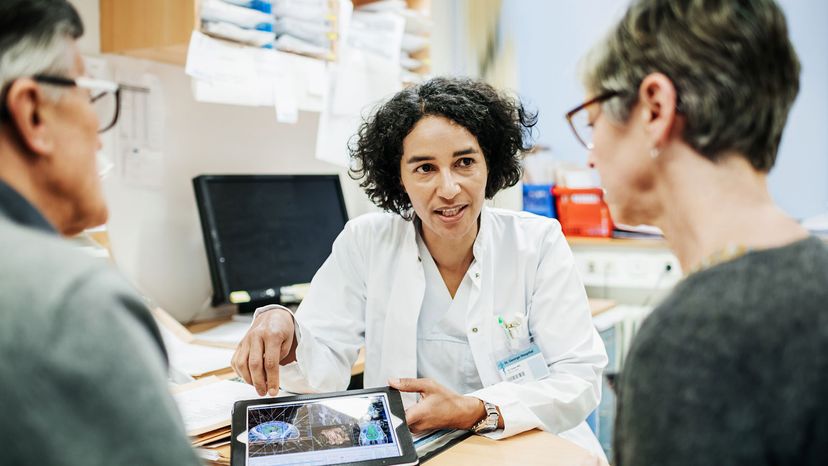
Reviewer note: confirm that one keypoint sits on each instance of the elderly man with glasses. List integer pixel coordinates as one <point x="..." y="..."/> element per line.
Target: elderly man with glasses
<point x="83" y="377"/>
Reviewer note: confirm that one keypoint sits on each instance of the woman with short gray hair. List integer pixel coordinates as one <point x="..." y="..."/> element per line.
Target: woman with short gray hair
<point x="687" y="100"/>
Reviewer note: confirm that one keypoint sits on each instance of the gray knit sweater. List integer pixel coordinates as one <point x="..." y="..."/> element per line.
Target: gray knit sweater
<point x="82" y="366"/>
<point x="732" y="368"/>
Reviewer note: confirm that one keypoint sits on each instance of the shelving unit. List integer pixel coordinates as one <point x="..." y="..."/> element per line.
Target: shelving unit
<point x="156" y="30"/>
<point x="160" y="30"/>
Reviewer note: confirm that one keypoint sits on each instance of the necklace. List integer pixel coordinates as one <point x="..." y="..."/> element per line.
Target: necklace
<point x="727" y="253"/>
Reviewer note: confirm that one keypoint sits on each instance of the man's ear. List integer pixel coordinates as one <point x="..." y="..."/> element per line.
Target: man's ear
<point x="26" y="104"/>
<point x="658" y="98"/>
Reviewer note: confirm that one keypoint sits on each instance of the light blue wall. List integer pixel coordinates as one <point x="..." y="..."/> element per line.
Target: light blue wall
<point x="551" y="37"/>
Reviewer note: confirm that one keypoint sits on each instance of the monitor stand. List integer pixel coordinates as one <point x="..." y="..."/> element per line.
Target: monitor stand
<point x="250" y="307"/>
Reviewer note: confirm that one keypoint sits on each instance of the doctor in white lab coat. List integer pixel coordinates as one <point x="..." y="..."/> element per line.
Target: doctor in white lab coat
<point x="442" y="289"/>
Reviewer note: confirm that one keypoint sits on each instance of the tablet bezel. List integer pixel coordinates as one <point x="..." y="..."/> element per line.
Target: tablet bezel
<point x="408" y="454"/>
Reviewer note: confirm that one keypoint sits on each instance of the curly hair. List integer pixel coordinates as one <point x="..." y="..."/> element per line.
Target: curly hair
<point x="500" y="123"/>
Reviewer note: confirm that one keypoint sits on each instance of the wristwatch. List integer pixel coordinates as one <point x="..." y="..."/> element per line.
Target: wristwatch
<point x="488" y="423"/>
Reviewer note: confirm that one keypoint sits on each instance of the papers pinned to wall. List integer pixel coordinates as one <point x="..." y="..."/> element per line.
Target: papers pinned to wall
<point x="229" y="73"/>
<point x="359" y="81"/>
<point x="140" y="130"/>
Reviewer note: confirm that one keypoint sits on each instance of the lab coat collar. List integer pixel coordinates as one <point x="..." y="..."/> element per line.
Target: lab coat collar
<point x="481" y="242"/>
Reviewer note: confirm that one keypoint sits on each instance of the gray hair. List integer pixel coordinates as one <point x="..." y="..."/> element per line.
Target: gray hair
<point x="735" y="71"/>
<point x="35" y="38"/>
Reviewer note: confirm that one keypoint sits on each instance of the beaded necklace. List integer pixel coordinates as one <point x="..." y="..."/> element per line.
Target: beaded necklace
<point x="727" y="253"/>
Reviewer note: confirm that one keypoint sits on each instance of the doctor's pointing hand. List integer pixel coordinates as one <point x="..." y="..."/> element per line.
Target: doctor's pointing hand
<point x="477" y="313"/>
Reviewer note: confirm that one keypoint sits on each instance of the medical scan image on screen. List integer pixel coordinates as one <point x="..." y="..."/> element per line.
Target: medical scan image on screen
<point x="329" y="431"/>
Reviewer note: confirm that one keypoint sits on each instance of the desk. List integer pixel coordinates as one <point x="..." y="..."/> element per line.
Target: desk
<point x="528" y="448"/>
<point x="596" y="307"/>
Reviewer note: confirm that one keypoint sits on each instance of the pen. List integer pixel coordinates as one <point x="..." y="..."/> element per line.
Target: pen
<point x="505" y="328"/>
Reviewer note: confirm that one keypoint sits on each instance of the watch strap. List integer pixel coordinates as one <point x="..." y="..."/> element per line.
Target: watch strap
<point x="488" y="423"/>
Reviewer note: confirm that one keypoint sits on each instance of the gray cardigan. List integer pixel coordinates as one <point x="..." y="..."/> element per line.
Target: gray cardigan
<point x="83" y="371"/>
<point x="732" y="368"/>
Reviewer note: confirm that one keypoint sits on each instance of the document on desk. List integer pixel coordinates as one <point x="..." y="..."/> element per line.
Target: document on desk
<point x="207" y="404"/>
<point x="227" y="335"/>
<point x="185" y="355"/>
<point x="433" y="442"/>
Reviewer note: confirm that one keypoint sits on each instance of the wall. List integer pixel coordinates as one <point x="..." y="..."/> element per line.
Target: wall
<point x="155" y="234"/>
<point x="551" y="38"/>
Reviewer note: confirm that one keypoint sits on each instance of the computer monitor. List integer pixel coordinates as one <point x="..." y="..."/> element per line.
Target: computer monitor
<point x="263" y="232"/>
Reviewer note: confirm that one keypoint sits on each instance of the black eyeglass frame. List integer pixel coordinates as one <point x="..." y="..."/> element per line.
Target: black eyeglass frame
<point x="99" y="85"/>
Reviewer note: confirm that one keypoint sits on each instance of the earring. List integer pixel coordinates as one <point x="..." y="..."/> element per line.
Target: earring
<point x="655" y="152"/>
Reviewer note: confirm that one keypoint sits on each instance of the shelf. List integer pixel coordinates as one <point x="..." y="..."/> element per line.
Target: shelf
<point x="160" y="30"/>
<point x="617" y="242"/>
<point x="151" y="29"/>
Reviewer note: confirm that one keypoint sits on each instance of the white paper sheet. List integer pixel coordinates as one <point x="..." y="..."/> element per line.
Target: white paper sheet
<point x="207" y="403"/>
<point x="230" y="74"/>
<point x="140" y="130"/>
<point x="378" y="33"/>
<point x="193" y="359"/>
<point x="359" y="82"/>
<point x="230" y="333"/>
<point x="362" y="80"/>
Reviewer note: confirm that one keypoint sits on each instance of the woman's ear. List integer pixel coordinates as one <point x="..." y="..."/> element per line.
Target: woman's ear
<point x="658" y="99"/>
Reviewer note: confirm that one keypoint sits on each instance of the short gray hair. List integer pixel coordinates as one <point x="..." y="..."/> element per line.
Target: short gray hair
<point x="35" y="37"/>
<point x="735" y="71"/>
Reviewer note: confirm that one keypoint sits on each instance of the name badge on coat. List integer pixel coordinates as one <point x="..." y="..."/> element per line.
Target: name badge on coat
<point x="520" y="360"/>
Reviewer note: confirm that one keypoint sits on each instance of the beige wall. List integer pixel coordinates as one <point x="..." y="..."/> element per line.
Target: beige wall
<point x="155" y="233"/>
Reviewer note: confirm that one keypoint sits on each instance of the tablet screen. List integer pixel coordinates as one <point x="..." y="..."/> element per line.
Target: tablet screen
<point x="327" y="431"/>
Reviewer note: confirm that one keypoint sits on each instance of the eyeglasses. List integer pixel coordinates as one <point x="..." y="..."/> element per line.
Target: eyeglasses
<point x="104" y="95"/>
<point x="578" y="118"/>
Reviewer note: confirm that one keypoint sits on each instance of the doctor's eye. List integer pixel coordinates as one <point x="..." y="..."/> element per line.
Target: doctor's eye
<point x="465" y="162"/>
<point x="425" y="168"/>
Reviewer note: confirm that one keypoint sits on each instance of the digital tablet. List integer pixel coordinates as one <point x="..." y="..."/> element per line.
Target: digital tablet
<point x="357" y="427"/>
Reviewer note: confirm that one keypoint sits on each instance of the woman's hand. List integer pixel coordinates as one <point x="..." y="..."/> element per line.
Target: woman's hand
<point x="439" y="407"/>
<point x="268" y="344"/>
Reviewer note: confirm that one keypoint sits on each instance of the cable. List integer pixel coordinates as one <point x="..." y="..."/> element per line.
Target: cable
<point x="667" y="269"/>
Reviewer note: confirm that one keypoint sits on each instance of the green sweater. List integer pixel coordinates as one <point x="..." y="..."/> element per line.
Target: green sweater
<point x="82" y="366"/>
<point x="732" y="368"/>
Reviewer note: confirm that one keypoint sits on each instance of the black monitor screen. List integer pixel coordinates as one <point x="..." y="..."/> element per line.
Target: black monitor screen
<point x="263" y="232"/>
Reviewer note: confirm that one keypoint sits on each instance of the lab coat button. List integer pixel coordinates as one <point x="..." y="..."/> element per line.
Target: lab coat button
<point x="477" y="275"/>
<point x="474" y="329"/>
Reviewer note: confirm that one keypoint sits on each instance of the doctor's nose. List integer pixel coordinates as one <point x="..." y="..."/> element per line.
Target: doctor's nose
<point x="449" y="187"/>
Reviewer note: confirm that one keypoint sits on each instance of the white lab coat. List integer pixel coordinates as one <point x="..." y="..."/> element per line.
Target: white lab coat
<point x="369" y="292"/>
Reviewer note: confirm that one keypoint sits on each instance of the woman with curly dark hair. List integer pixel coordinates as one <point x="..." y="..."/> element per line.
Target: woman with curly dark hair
<point x="478" y="310"/>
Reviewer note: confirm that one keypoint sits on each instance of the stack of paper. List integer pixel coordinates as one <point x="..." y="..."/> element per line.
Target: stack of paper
<point x="206" y="406"/>
<point x="186" y="356"/>
<point x="226" y="335"/>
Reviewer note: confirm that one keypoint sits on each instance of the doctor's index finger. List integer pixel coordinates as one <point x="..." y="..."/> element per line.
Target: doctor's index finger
<point x="272" y="356"/>
<point x="255" y="363"/>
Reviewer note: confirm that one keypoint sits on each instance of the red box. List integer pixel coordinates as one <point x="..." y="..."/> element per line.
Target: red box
<point x="583" y="212"/>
